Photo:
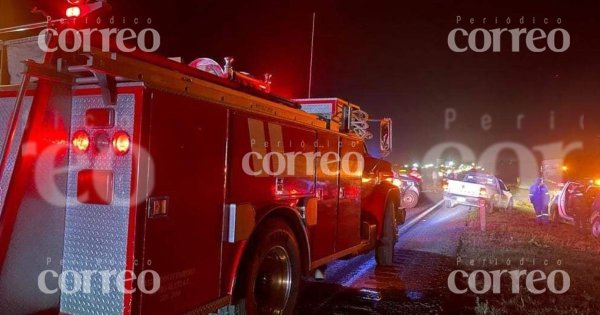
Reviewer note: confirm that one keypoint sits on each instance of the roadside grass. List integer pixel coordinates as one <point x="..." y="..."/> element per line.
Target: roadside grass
<point x="513" y="241"/>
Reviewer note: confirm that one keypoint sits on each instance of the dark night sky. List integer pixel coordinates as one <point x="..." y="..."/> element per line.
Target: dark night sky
<point x="392" y="58"/>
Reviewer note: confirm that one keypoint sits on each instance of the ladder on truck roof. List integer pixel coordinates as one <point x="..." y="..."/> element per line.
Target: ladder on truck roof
<point x="108" y="69"/>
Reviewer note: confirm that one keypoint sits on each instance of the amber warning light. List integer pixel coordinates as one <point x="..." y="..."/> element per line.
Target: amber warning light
<point x="81" y="141"/>
<point x="121" y="142"/>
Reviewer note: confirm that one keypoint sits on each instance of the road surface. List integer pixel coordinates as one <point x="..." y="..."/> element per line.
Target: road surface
<point x="417" y="282"/>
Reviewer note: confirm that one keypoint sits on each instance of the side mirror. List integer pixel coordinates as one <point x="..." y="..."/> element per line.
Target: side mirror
<point x="385" y="136"/>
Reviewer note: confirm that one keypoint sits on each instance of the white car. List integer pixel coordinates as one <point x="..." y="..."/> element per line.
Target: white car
<point x="559" y="212"/>
<point x="476" y="187"/>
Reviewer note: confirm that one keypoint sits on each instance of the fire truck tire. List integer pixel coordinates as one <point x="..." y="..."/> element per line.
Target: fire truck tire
<point x="272" y="271"/>
<point x="384" y="253"/>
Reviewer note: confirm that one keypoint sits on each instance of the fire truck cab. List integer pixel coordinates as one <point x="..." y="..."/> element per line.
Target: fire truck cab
<point x="133" y="184"/>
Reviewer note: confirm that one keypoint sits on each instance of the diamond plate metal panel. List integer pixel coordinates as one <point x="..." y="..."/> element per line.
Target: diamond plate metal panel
<point x="7" y="107"/>
<point x="96" y="235"/>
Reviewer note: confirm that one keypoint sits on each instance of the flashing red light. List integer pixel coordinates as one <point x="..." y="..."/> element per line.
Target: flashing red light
<point x="121" y="142"/>
<point x="73" y="12"/>
<point x="81" y="141"/>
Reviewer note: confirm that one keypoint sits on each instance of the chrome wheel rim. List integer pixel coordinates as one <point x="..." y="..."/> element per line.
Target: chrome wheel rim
<point x="273" y="281"/>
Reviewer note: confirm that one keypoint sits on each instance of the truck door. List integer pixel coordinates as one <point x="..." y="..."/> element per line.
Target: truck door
<point x="349" y="214"/>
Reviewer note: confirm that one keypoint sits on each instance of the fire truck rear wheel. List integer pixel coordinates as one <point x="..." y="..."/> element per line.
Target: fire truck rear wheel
<point x="384" y="253"/>
<point x="272" y="273"/>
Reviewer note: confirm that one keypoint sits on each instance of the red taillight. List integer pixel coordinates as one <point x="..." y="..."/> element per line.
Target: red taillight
<point x="121" y="142"/>
<point x="483" y="192"/>
<point x="81" y="141"/>
<point x="73" y="12"/>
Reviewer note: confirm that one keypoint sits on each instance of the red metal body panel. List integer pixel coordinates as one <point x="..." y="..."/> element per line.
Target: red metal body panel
<point x="349" y="207"/>
<point x="253" y="135"/>
<point x="323" y="235"/>
<point x="377" y="191"/>
<point x="188" y="147"/>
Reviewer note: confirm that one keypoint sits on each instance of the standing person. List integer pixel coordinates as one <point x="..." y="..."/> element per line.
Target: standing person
<point x="540" y="198"/>
<point x="577" y="204"/>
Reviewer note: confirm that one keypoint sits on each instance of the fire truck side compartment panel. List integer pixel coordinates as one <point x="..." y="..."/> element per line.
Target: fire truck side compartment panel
<point x="323" y="235"/>
<point x="349" y="210"/>
<point x="270" y="178"/>
<point x="187" y="142"/>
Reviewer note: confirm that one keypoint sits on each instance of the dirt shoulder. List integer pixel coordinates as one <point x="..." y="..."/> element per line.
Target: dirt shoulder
<point x="513" y="241"/>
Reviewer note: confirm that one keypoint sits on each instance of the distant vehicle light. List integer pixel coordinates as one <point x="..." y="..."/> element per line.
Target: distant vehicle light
<point x="121" y="142"/>
<point x="565" y="168"/>
<point x="81" y="141"/>
<point x="483" y="192"/>
<point x="73" y="12"/>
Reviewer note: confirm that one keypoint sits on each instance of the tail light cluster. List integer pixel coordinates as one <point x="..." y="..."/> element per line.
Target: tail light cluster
<point x="101" y="142"/>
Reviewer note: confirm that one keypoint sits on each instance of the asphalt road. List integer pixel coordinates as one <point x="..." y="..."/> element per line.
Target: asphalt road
<point x="417" y="282"/>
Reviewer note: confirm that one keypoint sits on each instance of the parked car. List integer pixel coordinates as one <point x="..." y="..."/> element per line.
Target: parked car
<point x="475" y="187"/>
<point x="560" y="212"/>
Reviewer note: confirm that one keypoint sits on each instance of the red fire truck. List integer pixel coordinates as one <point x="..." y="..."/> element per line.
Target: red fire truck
<point x="133" y="184"/>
